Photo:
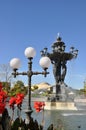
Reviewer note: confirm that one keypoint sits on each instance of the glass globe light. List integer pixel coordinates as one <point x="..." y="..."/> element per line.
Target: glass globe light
<point x="15" y="63"/>
<point x="45" y="62"/>
<point x="30" y="52"/>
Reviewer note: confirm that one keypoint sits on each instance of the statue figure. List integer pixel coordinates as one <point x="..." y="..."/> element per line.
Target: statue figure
<point x="59" y="71"/>
<point x="63" y="71"/>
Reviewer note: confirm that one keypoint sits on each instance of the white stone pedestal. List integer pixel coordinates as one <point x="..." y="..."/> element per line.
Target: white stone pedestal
<point x="60" y="106"/>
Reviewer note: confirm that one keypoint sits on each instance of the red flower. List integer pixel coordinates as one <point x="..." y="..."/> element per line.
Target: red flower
<point x="1" y="86"/>
<point x="12" y="102"/>
<point x="38" y="109"/>
<point x="20" y="95"/>
<point x="2" y="107"/>
<point x="39" y="106"/>
<point x="16" y="100"/>
<point x="3" y="96"/>
<point x="19" y="98"/>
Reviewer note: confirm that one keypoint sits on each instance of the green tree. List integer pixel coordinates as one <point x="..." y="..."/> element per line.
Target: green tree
<point x="6" y="86"/>
<point x="34" y="87"/>
<point x="18" y="88"/>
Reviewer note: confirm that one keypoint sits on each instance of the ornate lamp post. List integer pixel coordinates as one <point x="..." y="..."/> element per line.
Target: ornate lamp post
<point x="15" y="64"/>
<point x="59" y="59"/>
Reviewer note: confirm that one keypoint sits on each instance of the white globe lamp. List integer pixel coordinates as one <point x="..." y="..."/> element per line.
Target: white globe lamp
<point x="45" y="62"/>
<point x="30" y="52"/>
<point x="15" y="63"/>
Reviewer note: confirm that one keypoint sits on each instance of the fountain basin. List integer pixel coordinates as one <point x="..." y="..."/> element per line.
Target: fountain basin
<point x="60" y="106"/>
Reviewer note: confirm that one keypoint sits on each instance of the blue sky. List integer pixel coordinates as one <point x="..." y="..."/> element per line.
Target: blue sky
<point x="35" y="23"/>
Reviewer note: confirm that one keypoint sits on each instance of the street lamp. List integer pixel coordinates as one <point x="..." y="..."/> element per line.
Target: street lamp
<point x="15" y="64"/>
<point x="59" y="58"/>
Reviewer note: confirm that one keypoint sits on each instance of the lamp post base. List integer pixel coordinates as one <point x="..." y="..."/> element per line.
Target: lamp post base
<point x="28" y="115"/>
<point x="30" y="122"/>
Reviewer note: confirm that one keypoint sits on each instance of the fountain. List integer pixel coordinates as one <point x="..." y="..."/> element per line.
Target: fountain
<point x="59" y="60"/>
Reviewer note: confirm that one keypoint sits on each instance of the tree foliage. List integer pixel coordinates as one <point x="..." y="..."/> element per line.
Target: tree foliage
<point x="34" y="87"/>
<point x="18" y="88"/>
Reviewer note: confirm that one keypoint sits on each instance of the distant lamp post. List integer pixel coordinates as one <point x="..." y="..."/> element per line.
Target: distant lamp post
<point x="15" y="64"/>
<point x="59" y="59"/>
